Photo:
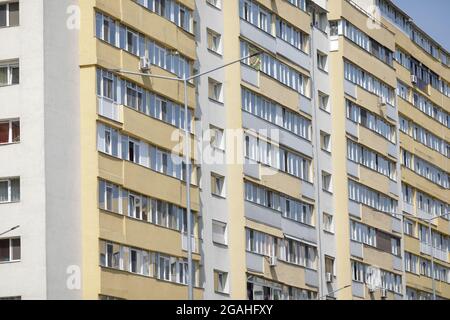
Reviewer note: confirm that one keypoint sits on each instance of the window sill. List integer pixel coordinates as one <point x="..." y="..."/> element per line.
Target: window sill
<point x="220" y="244"/>
<point x="216" y="53"/>
<point x="218" y="196"/>
<point x="225" y="294"/>
<point x="7" y="27"/>
<point x="213" y="6"/>
<point x="328" y="111"/>
<point x="9" y="202"/>
<point x="216" y="101"/>
<point x="9" y="262"/>
<point x="9" y="85"/>
<point x="9" y="143"/>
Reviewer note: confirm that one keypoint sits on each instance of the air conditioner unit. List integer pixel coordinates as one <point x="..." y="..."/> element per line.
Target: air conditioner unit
<point x="382" y="101"/>
<point x="273" y="261"/>
<point x="144" y="64"/>
<point x="414" y="78"/>
<point x="383" y="293"/>
<point x="329" y="277"/>
<point x="371" y="289"/>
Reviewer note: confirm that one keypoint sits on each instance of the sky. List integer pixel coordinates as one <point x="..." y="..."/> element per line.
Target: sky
<point x="432" y="16"/>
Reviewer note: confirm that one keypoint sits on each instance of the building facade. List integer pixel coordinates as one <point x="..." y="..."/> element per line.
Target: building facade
<point x="319" y="161"/>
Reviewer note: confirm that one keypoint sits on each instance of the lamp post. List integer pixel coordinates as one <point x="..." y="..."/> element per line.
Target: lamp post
<point x="185" y="81"/>
<point x="433" y="282"/>
<point x="12" y="229"/>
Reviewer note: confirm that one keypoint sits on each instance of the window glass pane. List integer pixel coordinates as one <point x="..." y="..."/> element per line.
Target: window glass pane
<point x="3" y="76"/>
<point x="15" y="190"/>
<point x="4" y="132"/>
<point x="15" y="244"/>
<point x="15" y="75"/>
<point x="3" y="15"/>
<point x="14" y="14"/>
<point x="4" y="250"/>
<point x="3" y="191"/>
<point x="15" y="131"/>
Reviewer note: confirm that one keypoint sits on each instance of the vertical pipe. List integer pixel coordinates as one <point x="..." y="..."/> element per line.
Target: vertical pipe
<point x="432" y="260"/>
<point x="188" y="192"/>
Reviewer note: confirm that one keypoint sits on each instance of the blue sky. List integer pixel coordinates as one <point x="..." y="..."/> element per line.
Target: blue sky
<point x="432" y="16"/>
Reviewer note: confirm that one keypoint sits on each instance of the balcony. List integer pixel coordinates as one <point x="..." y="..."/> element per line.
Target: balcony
<point x="266" y="40"/>
<point x="194" y="243"/>
<point x="292" y="53"/>
<point x="109" y="109"/>
<point x="285" y="137"/>
<point x="249" y="75"/>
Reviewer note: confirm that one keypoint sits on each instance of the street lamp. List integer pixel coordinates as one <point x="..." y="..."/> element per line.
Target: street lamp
<point x="12" y="229"/>
<point x="185" y="81"/>
<point x="433" y="282"/>
<point x="333" y="292"/>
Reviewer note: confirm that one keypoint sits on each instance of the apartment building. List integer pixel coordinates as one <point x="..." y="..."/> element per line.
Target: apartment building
<point x="391" y="82"/>
<point x="317" y="160"/>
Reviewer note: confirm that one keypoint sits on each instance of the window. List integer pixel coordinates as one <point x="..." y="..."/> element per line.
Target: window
<point x="334" y="28"/>
<point x="368" y="44"/>
<point x="9" y="73"/>
<point x="297" y="252"/>
<point x="370" y="121"/>
<point x="217" y="185"/>
<point x="290" y="208"/>
<point x="274" y="113"/>
<point x="408" y="227"/>
<point x="370" y="159"/>
<point x="134" y="206"/>
<point x="371" y="198"/>
<point x="220" y="281"/>
<point x="9" y="131"/>
<point x="275" y="69"/>
<point x="9" y="14"/>
<point x="109" y="197"/>
<point x="322" y="61"/>
<point x="328" y="223"/>
<point x="255" y="14"/>
<point x="277" y="157"/>
<point x="171" y="10"/>
<point x="260" y="243"/>
<point x="215" y="3"/>
<point x="10" y="249"/>
<point x="219" y="232"/>
<point x="324" y="101"/>
<point x="325" y="141"/>
<point x="217" y="139"/>
<point x="214" y="41"/>
<point x="215" y="90"/>
<point x="292" y="35"/>
<point x="326" y="182"/>
<point x="411" y="262"/>
<point x="131" y="149"/>
<point x="368" y="82"/>
<point x="320" y="20"/>
<point x="363" y="233"/>
<point x="9" y="190"/>
<point x="329" y="265"/>
<point x="301" y="4"/>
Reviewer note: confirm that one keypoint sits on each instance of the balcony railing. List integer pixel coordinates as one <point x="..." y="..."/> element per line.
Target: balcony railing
<point x="109" y="109"/>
